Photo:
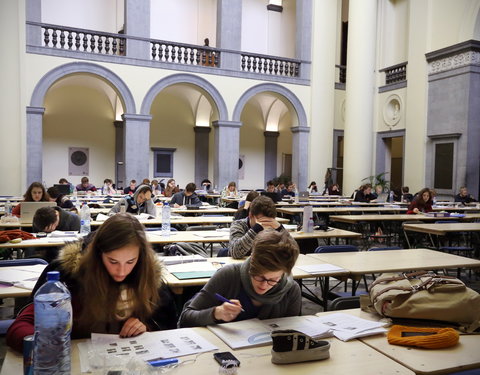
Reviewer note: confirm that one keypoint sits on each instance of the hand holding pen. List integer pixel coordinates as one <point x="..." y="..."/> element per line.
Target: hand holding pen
<point x="227" y="311"/>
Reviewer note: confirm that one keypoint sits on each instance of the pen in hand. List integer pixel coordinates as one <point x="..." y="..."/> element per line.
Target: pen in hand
<point x="223" y="299"/>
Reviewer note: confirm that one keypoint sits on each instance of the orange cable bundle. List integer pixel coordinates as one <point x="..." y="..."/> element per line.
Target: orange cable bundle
<point x="440" y="337"/>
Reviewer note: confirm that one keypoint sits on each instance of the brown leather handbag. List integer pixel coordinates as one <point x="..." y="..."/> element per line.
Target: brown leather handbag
<point x="425" y="295"/>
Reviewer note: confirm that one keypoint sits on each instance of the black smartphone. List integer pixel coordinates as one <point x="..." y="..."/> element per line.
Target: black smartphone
<point x="226" y="359"/>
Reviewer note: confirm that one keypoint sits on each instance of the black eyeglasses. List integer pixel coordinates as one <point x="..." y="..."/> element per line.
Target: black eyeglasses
<point x="261" y="279"/>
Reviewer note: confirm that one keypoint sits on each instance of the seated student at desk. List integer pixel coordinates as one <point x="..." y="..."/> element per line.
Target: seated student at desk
<point x="35" y="193"/>
<point x="61" y="199"/>
<point x="464" y="197"/>
<point x="364" y="194"/>
<point x="85" y="185"/>
<point x="406" y="195"/>
<point x="141" y="202"/>
<point x="242" y="211"/>
<point x="115" y="281"/>
<point x="188" y="197"/>
<point x="48" y="219"/>
<point x="130" y="189"/>
<point x="289" y="191"/>
<point x="108" y="188"/>
<point x="271" y="192"/>
<point x="334" y="190"/>
<point x="262" y="215"/>
<point x="261" y="287"/>
<point x="422" y="202"/>
<point x="171" y="188"/>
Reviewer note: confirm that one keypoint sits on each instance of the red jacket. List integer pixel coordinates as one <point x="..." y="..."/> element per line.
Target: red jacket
<point x="427" y="207"/>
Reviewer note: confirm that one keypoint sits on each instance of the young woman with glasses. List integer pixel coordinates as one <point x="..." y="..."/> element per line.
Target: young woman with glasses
<point x="260" y="287"/>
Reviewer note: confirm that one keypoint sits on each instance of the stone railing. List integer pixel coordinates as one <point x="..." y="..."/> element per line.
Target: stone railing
<point x="272" y="65"/>
<point x="342" y="74"/>
<point x="179" y="53"/>
<point x="73" y="39"/>
<point x="66" y="41"/>
<point x="395" y="74"/>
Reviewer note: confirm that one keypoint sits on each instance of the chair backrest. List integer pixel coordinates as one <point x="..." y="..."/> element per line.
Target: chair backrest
<point x="336" y="249"/>
<point x="202" y="227"/>
<point x="22" y="262"/>
<point x="384" y="248"/>
<point x="343" y="303"/>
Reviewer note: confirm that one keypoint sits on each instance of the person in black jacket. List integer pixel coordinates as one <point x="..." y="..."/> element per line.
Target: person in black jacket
<point x="116" y="283"/>
<point x="464" y="197"/>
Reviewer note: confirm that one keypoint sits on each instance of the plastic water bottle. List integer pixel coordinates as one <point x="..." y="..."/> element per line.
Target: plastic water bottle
<point x="123" y="207"/>
<point x="310" y="225"/>
<point x="391" y="196"/>
<point x="296" y="195"/>
<point x="8" y="208"/>
<point x="166" y="219"/>
<point x="85" y="219"/>
<point x="53" y="324"/>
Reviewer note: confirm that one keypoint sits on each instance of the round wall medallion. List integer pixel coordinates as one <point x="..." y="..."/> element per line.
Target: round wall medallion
<point x="392" y="110"/>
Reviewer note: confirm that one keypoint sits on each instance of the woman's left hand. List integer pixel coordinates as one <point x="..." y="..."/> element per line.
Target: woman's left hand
<point x="132" y="327"/>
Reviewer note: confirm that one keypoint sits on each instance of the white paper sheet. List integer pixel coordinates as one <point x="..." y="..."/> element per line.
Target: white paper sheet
<point x="318" y="269"/>
<point x="346" y="327"/>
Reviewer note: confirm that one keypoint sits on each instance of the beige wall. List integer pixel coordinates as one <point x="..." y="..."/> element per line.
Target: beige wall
<point x="184" y="21"/>
<point x="268" y="32"/>
<point x="78" y="116"/>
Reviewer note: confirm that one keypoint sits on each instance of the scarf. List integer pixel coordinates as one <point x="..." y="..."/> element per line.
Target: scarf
<point x="274" y="295"/>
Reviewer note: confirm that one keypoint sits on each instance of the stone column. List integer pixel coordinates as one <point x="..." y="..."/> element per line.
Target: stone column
<point x="303" y="40"/>
<point x="271" y="141"/>
<point x="300" y="156"/>
<point x="119" y="156"/>
<point x="360" y="88"/>
<point x="137" y="23"/>
<point x="136" y="145"/>
<point x="229" y="32"/>
<point x="322" y="113"/>
<point x="227" y="148"/>
<point x="34" y="144"/>
<point x="202" y="137"/>
<point x="33" y="13"/>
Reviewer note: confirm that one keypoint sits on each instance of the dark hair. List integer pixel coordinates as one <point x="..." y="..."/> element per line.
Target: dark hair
<point x="133" y="181"/>
<point x="63" y="181"/>
<point x="84" y="179"/>
<point x="191" y="187"/>
<point x="273" y="251"/>
<point x="44" y="217"/>
<point x="107" y="181"/>
<point x="53" y="192"/>
<point x="270" y="183"/>
<point x="419" y="198"/>
<point x="405" y="189"/>
<point x="263" y="205"/>
<point x="143" y="282"/>
<point x="28" y="194"/>
<point x="146" y="181"/>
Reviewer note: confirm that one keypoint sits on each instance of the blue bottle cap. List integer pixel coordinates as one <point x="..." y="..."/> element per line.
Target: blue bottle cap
<point x="166" y="204"/>
<point x="53" y="276"/>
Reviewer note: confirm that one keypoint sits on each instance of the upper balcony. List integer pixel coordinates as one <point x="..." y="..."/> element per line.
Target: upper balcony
<point x="84" y="44"/>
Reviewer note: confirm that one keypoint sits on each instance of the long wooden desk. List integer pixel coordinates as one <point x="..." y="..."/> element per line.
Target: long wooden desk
<point x="442" y="229"/>
<point x="342" y="209"/>
<point x="197" y="220"/>
<point x="353" y="219"/>
<point x="345" y="358"/>
<point x="366" y="262"/>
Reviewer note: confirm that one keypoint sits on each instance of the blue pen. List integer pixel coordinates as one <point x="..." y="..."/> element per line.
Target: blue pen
<point x="223" y="299"/>
<point x="163" y="362"/>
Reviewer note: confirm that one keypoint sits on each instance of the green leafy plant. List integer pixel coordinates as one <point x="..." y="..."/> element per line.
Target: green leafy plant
<point x="379" y="179"/>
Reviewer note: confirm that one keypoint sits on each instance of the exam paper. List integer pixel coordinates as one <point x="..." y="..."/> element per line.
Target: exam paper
<point x="317" y="269"/>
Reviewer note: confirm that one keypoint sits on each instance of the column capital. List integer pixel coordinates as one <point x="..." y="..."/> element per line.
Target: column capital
<point x="135" y="117"/>
<point x="300" y="129"/>
<point x="271" y="134"/>
<point x="35" y="110"/>
<point x="225" y="124"/>
<point x="202" y="129"/>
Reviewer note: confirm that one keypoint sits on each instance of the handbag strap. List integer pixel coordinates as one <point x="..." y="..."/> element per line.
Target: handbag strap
<point x="400" y="276"/>
<point x="431" y="279"/>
